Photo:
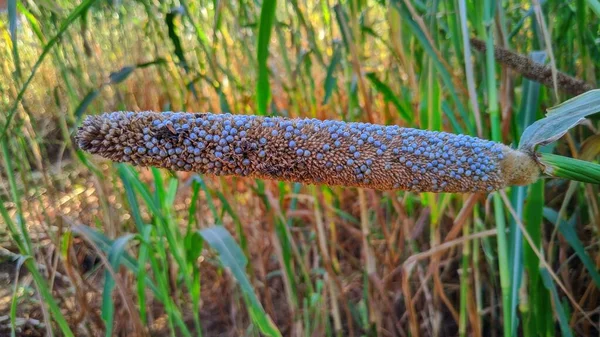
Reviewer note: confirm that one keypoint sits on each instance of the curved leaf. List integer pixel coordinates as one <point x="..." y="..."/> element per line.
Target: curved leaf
<point x="559" y="120"/>
<point x="114" y="258"/>
<point x="232" y="257"/>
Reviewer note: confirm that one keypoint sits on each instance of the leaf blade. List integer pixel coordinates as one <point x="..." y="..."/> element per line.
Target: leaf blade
<point x="232" y="257"/>
<point x="263" y="90"/>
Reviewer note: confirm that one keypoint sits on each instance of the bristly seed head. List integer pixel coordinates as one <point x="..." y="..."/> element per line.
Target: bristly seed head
<point x="304" y="150"/>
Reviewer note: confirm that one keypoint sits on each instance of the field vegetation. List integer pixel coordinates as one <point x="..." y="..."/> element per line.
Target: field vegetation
<point x="90" y="247"/>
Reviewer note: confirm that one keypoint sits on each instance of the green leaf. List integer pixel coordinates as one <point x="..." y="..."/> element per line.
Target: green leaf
<point x="533" y="223"/>
<point x="342" y="19"/>
<point x="105" y="244"/>
<point x="114" y="259"/>
<point x="158" y="61"/>
<point x="170" y="21"/>
<point x="389" y="96"/>
<point x="13" y="305"/>
<point x="209" y="199"/>
<point x="143" y="256"/>
<point x="559" y="120"/>
<point x="132" y="200"/>
<point x="127" y="172"/>
<point x="568" y="231"/>
<point x="439" y="66"/>
<point x="33" y="22"/>
<point x="232" y="257"/>
<point x="114" y="78"/>
<point x="570" y="168"/>
<point x="330" y="79"/>
<point x="121" y="75"/>
<point x="527" y="113"/>
<point x="560" y="311"/>
<point x="193" y="246"/>
<point x="12" y="22"/>
<point x="223" y="101"/>
<point x="263" y="90"/>
<point x="595" y="5"/>
<point x="85" y="103"/>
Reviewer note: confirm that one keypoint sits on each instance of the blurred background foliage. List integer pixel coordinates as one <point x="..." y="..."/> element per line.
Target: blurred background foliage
<point x="90" y="247"/>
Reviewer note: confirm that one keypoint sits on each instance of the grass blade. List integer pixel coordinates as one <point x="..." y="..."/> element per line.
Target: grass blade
<point x="85" y="103"/>
<point x="568" y="231"/>
<point x="170" y="21"/>
<point x="527" y="114"/>
<point x="263" y="90"/>
<point x="145" y="234"/>
<point x="114" y="258"/>
<point x="12" y="22"/>
<point x="232" y="257"/>
<point x="558" y="306"/>
<point x="331" y="80"/>
<point x="13" y="305"/>
<point x="105" y="244"/>
<point x="533" y="222"/>
<point x="114" y="78"/>
<point x="443" y="72"/>
<point x="389" y="96"/>
<point x="595" y="6"/>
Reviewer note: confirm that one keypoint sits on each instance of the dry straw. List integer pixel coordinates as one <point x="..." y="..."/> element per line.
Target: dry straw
<point x="308" y="151"/>
<point x="535" y="71"/>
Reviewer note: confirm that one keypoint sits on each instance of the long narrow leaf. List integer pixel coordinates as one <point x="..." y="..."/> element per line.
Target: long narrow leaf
<point x="114" y="258"/>
<point x="560" y="311"/>
<point x="232" y="257"/>
<point x="389" y="96"/>
<point x="568" y="231"/>
<point x="263" y="90"/>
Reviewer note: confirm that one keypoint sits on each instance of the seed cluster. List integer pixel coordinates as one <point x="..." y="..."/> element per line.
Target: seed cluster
<point x="301" y="150"/>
